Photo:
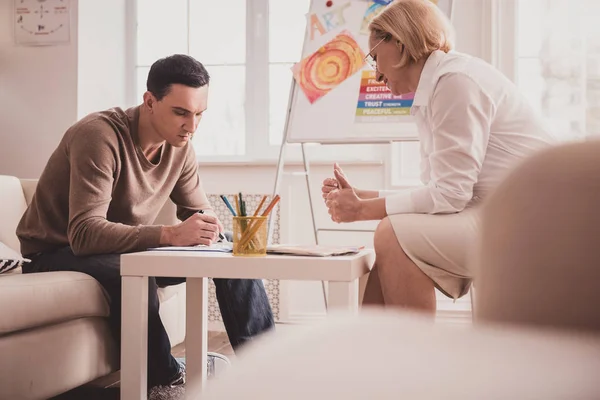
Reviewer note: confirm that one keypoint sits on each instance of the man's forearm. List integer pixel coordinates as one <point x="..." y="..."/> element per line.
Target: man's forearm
<point x="166" y="236"/>
<point x="99" y="236"/>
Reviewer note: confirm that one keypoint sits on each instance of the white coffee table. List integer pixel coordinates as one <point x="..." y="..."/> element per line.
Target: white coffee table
<point x="342" y="273"/>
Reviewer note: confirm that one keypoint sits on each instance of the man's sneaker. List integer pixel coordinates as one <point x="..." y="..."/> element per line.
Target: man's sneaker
<point x="179" y="379"/>
<point x="174" y="389"/>
<point x="215" y="364"/>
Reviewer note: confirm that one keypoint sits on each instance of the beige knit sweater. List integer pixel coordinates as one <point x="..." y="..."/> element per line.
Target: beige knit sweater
<point x="99" y="194"/>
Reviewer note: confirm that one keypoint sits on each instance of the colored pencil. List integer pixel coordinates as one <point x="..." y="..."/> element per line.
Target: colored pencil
<point x="237" y="206"/>
<point x="262" y="201"/>
<point x="228" y="204"/>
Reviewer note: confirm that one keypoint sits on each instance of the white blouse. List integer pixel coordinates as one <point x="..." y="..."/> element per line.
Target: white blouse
<point x="474" y="126"/>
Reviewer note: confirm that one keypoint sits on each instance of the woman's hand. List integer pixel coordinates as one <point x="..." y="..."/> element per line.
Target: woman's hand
<point x="331" y="184"/>
<point x="343" y="203"/>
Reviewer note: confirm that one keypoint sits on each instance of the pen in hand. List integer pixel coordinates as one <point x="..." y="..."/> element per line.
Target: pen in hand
<point x="221" y="236"/>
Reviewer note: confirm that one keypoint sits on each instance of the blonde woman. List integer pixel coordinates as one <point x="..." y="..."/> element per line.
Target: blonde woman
<point x="473" y="126"/>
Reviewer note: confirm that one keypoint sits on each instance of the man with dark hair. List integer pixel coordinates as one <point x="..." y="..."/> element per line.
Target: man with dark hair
<point x="104" y="186"/>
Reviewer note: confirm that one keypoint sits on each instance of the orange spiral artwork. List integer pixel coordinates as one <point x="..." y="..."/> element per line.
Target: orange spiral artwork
<point x="330" y="65"/>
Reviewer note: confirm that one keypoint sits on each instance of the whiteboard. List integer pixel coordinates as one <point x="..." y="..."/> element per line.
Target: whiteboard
<point x="359" y="109"/>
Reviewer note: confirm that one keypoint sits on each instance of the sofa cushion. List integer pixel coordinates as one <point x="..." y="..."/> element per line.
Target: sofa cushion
<point x="32" y="300"/>
<point x="13" y="207"/>
<point x="7" y="265"/>
<point x="9" y="259"/>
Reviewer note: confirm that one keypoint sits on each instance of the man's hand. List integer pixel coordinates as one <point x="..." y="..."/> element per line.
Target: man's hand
<point x="197" y="229"/>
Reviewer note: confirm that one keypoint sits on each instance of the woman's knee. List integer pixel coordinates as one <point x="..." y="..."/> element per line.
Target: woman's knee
<point x="386" y="242"/>
<point x="385" y="237"/>
<point x="384" y="229"/>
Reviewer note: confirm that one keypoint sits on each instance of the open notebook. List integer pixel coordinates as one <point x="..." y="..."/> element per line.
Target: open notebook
<point x="312" y="250"/>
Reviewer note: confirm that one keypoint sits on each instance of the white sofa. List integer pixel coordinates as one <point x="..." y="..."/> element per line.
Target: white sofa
<point x="54" y="334"/>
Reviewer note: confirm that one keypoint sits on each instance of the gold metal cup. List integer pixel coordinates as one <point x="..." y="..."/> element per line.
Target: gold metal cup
<point x="250" y="236"/>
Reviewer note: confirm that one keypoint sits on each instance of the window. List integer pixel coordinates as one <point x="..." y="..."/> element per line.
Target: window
<point x="248" y="48"/>
<point x="556" y="53"/>
<point x="183" y="26"/>
<point x="558" y="63"/>
<point x="287" y="22"/>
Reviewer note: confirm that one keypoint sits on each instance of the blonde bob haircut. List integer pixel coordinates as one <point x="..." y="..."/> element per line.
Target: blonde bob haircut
<point x="418" y="25"/>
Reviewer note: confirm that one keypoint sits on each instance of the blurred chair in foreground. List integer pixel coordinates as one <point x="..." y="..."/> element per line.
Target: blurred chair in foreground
<point x="539" y="259"/>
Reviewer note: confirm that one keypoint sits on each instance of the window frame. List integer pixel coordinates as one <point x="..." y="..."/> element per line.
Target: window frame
<point x="257" y="144"/>
<point x="499" y="44"/>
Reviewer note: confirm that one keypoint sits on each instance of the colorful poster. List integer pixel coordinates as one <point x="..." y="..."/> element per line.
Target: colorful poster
<point x="376" y="103"/>
<point x="372" y="11"/>
<point x="325" y="22"/>
<point x="330" y="65"/>
<point x="377" y="6"/>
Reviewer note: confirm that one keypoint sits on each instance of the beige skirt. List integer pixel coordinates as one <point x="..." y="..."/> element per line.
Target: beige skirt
<point x="441" y="246"/>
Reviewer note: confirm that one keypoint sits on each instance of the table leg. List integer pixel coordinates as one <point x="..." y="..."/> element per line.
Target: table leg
<point x="343" y="295"/>
<point x="196" y="336"/>
<point x="134" y="338"/>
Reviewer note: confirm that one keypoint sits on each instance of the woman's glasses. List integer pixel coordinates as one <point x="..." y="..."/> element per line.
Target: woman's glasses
<point x="369" y="57"/>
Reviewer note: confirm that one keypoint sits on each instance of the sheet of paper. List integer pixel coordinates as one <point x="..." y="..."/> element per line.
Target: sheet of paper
<point x="312" y="250"/>
<point x="225" y="247"/>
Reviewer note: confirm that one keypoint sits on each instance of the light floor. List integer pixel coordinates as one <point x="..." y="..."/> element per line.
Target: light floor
<point x="107" y="388"/>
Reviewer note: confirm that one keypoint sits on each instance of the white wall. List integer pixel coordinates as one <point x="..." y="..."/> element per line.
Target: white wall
<point x="42" y="92"/>
<point x="38" y="97"/>
<point x="45" y="89"/>
<point x="101" y="56"/>
<point x="469" y="26"/>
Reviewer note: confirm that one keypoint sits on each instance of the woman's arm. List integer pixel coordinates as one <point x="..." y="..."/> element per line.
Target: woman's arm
<point x="461" y="117"/>
<point x="331" y="184"/>
<point x="372" y="209"/>
<point x="348" y="204"/>
<point x="366" y="194"/>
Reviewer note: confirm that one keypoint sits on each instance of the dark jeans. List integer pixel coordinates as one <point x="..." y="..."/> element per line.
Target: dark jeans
<point x="243" y="302"/>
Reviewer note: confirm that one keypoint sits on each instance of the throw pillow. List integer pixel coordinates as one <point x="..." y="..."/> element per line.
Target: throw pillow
<point x="9" y="259"/>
